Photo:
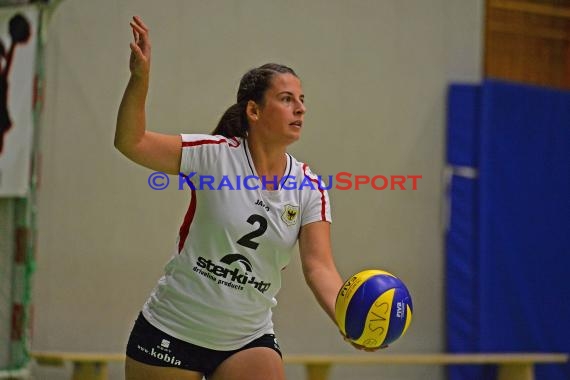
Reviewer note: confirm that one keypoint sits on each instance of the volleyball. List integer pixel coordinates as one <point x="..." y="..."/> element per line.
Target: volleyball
<point x="373" y="308"/>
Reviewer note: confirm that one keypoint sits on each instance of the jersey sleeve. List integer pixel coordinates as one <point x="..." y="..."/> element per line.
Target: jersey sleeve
<point x="316" y="205"/>
<point x="200" y="152"/>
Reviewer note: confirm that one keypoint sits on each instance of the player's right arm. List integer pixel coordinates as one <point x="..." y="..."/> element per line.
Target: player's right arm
<point x="155" y="151"/>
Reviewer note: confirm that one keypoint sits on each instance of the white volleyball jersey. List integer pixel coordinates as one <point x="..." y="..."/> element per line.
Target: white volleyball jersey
<point x="236" y="238"/>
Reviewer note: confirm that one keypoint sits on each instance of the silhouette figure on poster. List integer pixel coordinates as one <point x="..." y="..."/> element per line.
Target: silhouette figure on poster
<point x="20" y="34"/>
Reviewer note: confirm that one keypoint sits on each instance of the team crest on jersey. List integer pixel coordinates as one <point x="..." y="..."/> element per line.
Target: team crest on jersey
<point x="289" y="215"/>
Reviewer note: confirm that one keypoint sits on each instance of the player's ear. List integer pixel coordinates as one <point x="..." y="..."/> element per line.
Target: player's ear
<point x="252" y="111"/>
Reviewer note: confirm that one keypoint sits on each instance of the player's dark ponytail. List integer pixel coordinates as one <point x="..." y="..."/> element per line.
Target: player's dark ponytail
<point x="233" y="122"/>
<point x="252" y="86"/>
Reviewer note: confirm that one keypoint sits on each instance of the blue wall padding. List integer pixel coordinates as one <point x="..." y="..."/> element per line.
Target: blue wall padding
<point x="508" y="242"/>
<point x="524" y="221"/>
<point x="462" y="304"/>
<point x="462" y="125"/>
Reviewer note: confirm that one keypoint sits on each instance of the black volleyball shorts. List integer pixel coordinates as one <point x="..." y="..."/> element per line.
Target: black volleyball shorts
<point x="151" y="346"/>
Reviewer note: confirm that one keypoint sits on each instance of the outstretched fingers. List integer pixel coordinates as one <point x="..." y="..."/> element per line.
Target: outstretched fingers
<point x="135" y="34"/>
<point x="140" y="47"/>
<point x="136" y="50"/>
<point x="140" y="22"/>
<point x="138" y="31"/>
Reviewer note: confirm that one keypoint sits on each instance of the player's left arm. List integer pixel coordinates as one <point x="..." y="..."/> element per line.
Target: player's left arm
<point x="318" y="264"/>
<point x="319" y="268"/>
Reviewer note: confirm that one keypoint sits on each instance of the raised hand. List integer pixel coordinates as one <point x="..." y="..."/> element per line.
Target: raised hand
<point x="139" y="62"/>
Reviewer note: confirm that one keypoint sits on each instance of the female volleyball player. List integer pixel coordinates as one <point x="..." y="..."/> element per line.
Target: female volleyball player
<point x="210" y="314"/>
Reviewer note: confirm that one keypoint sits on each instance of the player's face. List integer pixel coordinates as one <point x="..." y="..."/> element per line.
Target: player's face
<point x="282" y="113"/>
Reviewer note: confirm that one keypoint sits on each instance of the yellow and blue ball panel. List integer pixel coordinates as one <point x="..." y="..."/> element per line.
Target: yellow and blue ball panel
<point x="373" y="308"/>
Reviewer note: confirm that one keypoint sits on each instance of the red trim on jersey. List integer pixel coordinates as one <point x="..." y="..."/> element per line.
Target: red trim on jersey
<point x="323" y="200"/>
<point x="188" y="218"/>
<point x="233" y="142"/>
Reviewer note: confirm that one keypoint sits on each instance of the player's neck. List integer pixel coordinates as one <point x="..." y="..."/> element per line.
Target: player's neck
<point x="269" y="160"/>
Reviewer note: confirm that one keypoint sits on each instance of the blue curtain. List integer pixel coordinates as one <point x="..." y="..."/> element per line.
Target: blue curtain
<point x="508" y="241"/>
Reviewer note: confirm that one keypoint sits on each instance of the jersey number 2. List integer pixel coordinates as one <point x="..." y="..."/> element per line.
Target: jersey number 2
<point x="247" y="239"/>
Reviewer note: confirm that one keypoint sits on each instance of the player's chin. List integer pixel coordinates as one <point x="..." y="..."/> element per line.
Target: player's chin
<point x="293" y="140"/>
<point x="295" y="133"/>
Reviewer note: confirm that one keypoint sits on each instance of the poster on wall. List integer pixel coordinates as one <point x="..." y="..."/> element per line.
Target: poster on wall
<point x="18" y="26"/>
